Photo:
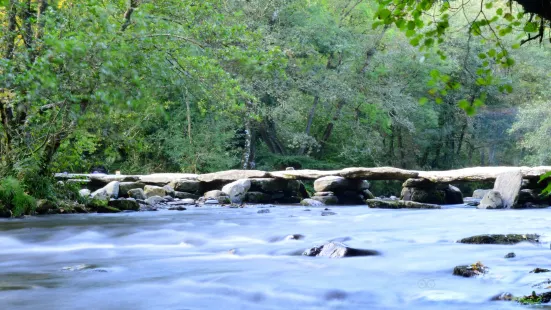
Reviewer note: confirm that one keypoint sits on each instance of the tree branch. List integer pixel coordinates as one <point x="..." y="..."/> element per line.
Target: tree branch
<point x="128" y="14"/>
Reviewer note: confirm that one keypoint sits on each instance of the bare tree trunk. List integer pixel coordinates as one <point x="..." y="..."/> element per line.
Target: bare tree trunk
<point x="401" y="147"/>
<point x="329" y="128"/>
<point x="188" y="114"/>
<point x="248" y="156"/>
<point x="11" y="34"/>
<point x="128" y="14"/>
<point x="309" y="123"/>
<point x="27" y="25"/>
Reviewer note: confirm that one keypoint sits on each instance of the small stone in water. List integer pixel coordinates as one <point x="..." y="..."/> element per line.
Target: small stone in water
<point x="510" y="255"/>
<point x="327" y="213"/>
<point x="263" y="211"/>
<point x="540" y="270"/>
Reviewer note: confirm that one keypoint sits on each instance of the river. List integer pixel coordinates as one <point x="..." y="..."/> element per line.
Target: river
<point x="222" y="258"/>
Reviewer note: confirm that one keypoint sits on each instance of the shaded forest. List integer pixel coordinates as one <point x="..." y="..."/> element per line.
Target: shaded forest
<point x="156" y="86"/>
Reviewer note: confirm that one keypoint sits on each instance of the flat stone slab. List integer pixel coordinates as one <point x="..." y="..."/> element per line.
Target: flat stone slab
<point x="482" y="174"/>
<point x="165" y="178"/>
<point x="232" y="175"/>
<point x="399" y="204"/>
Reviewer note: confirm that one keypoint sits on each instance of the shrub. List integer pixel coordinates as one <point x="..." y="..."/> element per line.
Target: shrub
<point x="13" y="195"/>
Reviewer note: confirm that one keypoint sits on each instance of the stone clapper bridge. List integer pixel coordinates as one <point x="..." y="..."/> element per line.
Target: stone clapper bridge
<point x="514" y="187"/>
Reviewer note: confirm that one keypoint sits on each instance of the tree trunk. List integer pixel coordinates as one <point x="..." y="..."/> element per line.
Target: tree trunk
<point x="401" y="147"/>
<point x="188" y="115"/>
<point x="249" y="151"/>
<point x="329" y="128"/>
<point x="11" y="34"/>
<point x="309" y="123"/>
<point x="128" y="14"/>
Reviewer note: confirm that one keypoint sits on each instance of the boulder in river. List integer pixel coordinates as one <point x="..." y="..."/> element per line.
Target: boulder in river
<point x="110" y="190"/>
<point x="468" y="271"/>
<point x="124" y="187"/>
<point x="508" y="185"/>
<point x="151" y="190"/>
<point x="540" y="270"/>
<point x="501" y="239"/>
<point x="337" y="250"/>
<point x="399" y="204"/>
<point x="154" y="200"/>
<point x="137" y="193"/>
<point x="492" y="200"/>
<point x="125" y="204"/>
<point x="510" y="255"/>
<point x="217" y="195"/>
<point x="237" y="190"/>
<point x="423" y="195"/>
<point x="169" y="190"/>
<point x="534" y="299"/>
<point x="480" y="193"/>
<point x="453" y="195"/>
<point x="326" y="200"/>
<point x="189" y="186"/>
<point x="308" y="202"/>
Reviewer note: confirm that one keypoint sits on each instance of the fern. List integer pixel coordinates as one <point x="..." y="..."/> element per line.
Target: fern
<point x="13" y="195"/>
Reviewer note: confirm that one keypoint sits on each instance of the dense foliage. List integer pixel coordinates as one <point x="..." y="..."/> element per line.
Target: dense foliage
<point x="197" y="86"/>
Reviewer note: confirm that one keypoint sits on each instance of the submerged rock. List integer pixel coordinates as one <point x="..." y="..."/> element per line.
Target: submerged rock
<point x="500" y="239"/>
<point x="399" y="204"/>
<point x="338" y="250"/>
<point x="502" y="297"/>
<point x="237" y="190"/>
<point x="263" y="211"/>
<point x="326" y="200"/>
<point x="468" y="271"/>
<point x="308" y="202"/>
<point x="540" y="270"/>
<point x="534" y="298"/>
<point x="327" y="213"/>
<point x="510" y="255"/>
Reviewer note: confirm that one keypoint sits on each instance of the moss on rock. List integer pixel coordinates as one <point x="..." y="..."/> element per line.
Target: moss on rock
<point x="501" y="239"/>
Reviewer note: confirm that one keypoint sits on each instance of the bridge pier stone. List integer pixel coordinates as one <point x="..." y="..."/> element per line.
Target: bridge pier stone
<point x="425" y="191"/>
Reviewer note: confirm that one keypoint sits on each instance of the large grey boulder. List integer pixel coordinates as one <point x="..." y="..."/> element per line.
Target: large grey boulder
<point x="124" y="187"/>
<point x="151" y="190"/>
<point x="110" y="190"/>
<point x="137" y="193"/>
<point x="337" y="250"/>
<point x="216" y="195"/>
<point x="326" y="200"/>
<point x="508" y="185"/>
<point x="237" y="190"/>
<point x="453" y="195"/>
<point x="480" y="193"/>
<point x="186" y="185"/>
<point x="424" y="195"/>
<point x="492" y="200"/>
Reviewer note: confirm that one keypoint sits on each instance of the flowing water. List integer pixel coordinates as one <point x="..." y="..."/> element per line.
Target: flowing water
<point x="221" y="258"/>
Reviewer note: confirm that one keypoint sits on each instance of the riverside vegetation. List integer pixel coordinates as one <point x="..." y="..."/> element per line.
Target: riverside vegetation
<point x="203" y="87"/>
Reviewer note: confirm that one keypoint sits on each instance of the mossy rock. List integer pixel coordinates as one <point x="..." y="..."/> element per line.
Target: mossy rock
<point x="45" y="206"/>
<point x="125" y="204"/>
<point x="469" y="271"/>
<point x="534" y="299"/>
<point x="399" y="204"/>
<point x="501" y="239"/>
<point x="95" y="203"/>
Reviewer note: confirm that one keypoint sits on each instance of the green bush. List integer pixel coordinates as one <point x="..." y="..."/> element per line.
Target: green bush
<point x="13" y="196"/>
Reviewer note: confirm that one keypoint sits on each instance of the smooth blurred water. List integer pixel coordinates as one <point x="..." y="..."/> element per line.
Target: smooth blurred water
<point x="182" y="260"/>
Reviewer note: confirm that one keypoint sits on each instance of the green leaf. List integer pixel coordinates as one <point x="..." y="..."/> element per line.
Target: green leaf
<point x="463" y="104"/>
<point x="384" y="13"/>
<point x="531" y="27"/>
<point x="438" y="100"/>
<point x="482" y="56"/>
<point x="499" y="11"/>
<point x="423" y="100"/>
<point x="414" y="41"/>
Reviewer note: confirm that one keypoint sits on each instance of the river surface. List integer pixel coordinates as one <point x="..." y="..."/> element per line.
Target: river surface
<point x="221" y="258"/>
